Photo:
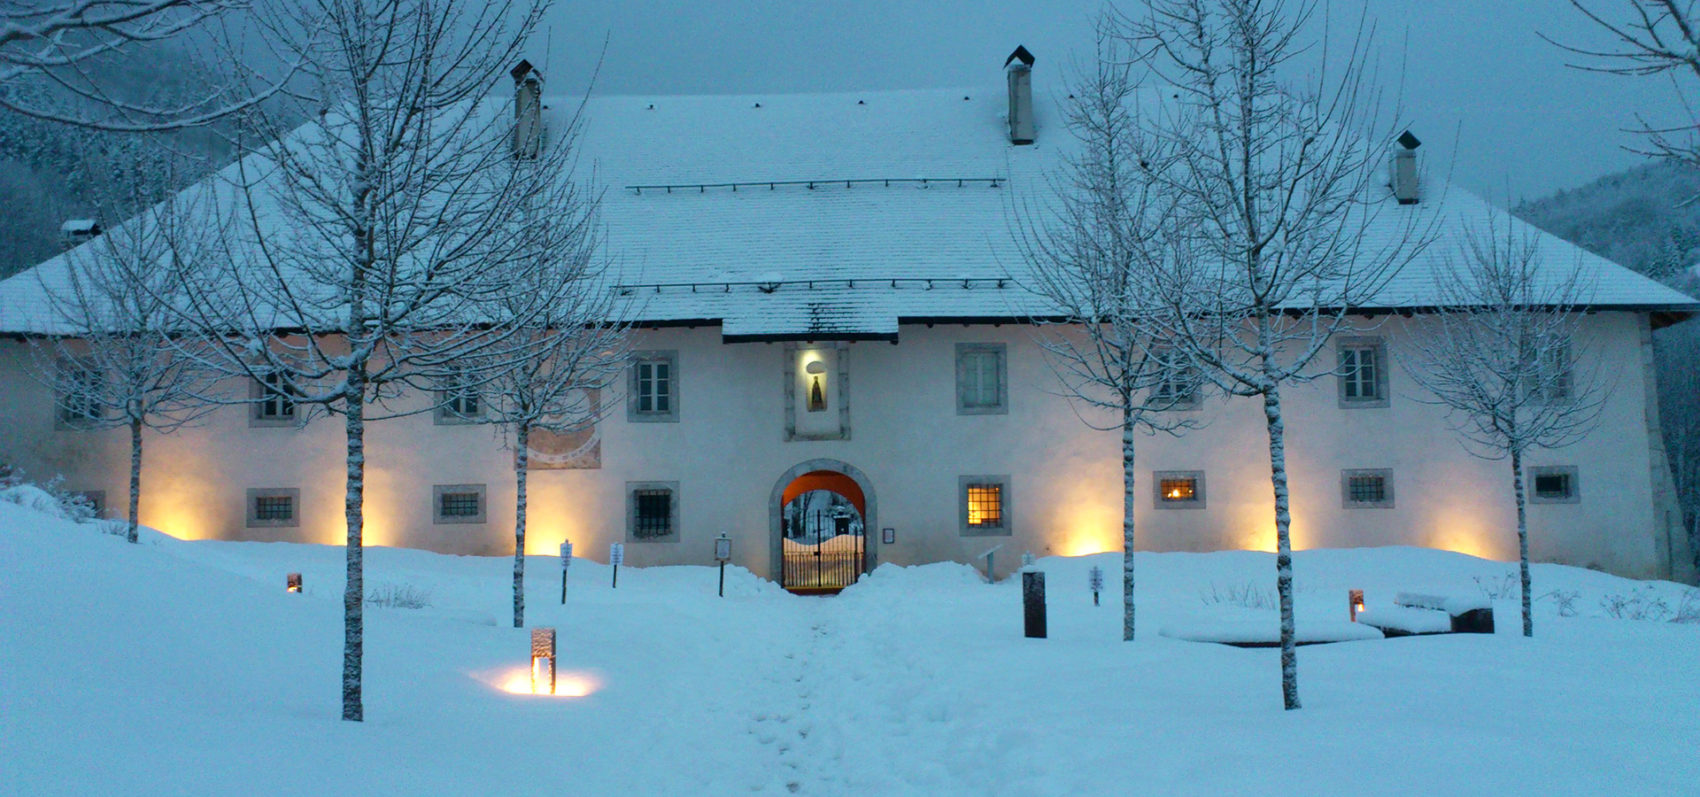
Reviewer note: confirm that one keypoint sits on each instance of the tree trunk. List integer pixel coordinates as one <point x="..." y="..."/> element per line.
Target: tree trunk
<point x="1127" y="521"/>
<point x="1522" y="539"/>
<point x="1283" y="546"/>
<point x="135" y="477"/>
<point x="354" y="591"/>
<point x="522" y="460"/>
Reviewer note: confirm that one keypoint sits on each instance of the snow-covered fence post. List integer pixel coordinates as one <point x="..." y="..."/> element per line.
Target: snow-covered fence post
<point x="616" y="555"/>
<point x="723" y="554"/>
<point x="1356" y="599"/>
<point x="542" y="659"/>
<point x="1096" y="579"/>
<point x="1033" y="602"/>
<point x="566" y="561"/>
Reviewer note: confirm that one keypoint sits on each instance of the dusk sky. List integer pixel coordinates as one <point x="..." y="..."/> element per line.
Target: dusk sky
<point x="1490" y="99"/>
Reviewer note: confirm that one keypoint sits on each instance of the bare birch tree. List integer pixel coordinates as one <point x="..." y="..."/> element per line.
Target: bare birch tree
<point x="116" y="362"/>
<point x="1502" y="357"/>
<point x="1281" y="225"/>
<point x="1086" y="253"/>
<point x="391" y="240"/>
<point x="53" y="55"/>
<point x="568" y="355"/>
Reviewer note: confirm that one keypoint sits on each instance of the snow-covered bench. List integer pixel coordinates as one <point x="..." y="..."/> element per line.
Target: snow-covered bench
<point x="1416" y="613"/>
<point x="1266" y="633"/>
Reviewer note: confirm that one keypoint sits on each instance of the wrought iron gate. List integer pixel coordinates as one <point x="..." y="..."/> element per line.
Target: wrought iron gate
<point x="826" y="555"/>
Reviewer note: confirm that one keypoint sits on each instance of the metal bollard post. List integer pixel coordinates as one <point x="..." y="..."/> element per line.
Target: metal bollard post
<point x="1096" y="579"/>
<point x="1033" y="603"/>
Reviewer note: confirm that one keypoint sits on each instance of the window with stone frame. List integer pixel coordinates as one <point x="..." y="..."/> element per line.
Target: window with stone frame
<point x="982" y="378"/>
<point x="1178" y="489"/>
<point x="1554" y="485"/>
<point x="1362" y="372"/>
<point x="458" y="400"/>
<point x="1179" y="382"/>
<point x="984" y="503"/>
<point x="652" y="511"/>
<point x="274" y="400"/>
<point x="458" y="503"/>
<point x="274" y="507"/>
<point x="1366" y="488"/>
<point x="653" y="387"/>
<point x="78" y="394"/>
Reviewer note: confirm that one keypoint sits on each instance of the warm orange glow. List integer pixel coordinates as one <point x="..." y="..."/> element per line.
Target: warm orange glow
<point x="567" y="684"/>
<point x="1086" y="544"/>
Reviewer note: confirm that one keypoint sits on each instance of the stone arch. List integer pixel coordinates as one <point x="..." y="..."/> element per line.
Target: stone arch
<point x="867" y="504"/>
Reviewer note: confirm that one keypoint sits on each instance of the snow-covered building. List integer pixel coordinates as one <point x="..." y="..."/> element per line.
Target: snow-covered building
<point x="828" y="297"/>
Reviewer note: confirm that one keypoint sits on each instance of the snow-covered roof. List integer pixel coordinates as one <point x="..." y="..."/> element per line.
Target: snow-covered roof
<point x="843" y="215"/>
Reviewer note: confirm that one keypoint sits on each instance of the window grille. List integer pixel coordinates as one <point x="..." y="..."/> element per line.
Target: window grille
<point x="654" y="513"/>
<point x="1552" y="485"/>
<point x="1367" y="489"/>
<point x="458" y="505"/>
<point x="274" y="507"/>
<point x="1178" y="489"/>
<point x="985" y="505"/>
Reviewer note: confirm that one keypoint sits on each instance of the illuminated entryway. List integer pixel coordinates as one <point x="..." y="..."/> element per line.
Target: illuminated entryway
<point x="821" y="513"/>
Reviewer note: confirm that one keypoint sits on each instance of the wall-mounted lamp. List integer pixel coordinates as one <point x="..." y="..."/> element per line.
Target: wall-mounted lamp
<point x="817" y="389"/>
<point x="543" y="660"/>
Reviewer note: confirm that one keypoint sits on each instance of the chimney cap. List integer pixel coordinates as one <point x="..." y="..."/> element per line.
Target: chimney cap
<point x="1020" y="54"/>
<point x="524" y="70"/>
<point x="1408" y="141"/>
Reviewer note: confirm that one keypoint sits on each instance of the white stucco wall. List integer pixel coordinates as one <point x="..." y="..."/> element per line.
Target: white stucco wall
<point x="728" y="449"/>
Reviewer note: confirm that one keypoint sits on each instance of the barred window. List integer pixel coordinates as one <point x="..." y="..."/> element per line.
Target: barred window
<point x="653" y="513"/>
<point x="985" y="505"/>
<point x="1554" y="485"/>
<point x="274" y="507"/>
<point x="1179" y="489"/>
<point x="458" y="505"/>
<point x="1366" y="488"/>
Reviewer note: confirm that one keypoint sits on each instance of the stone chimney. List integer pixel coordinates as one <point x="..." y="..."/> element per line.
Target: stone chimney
<point x="1403" y="169"/>
<point x="528" y="110"/>
<point x="1018" y="67"/>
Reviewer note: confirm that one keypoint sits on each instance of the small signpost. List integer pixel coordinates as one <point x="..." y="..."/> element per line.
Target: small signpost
<point x="1033" y="602"/>
<point x="292" y="582"/>
<point x="989" y="570"/>
<point x="543" y="660"/>
<point x="566" y="561"/>
<point x="616" y="555"/>
<point x="1096" y="578"/>
<point x="723" y="554"/>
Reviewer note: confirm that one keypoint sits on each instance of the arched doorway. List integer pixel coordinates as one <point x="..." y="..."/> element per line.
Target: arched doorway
<point x="821" y="516"/>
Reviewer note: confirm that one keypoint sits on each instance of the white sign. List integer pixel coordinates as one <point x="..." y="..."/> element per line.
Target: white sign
<point x="617" y="554"/>
<point x="1097" y="576"/>
<point x="566" y="553"/>
<point x="722" y="548"/>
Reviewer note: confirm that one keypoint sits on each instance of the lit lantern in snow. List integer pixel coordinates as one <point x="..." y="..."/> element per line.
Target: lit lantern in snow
<point x="1356" y="597"/>
<point x="292" y="582"/>
<point x="543" y="660"/>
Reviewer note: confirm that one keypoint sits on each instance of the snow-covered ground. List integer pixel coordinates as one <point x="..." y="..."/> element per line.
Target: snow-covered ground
<point x="184" y="668"/>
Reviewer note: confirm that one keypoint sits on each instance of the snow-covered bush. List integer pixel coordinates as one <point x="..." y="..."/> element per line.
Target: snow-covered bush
<point x="1497" y="588"/>
<point x="1688" y="611"/>
<point x="398" y="596"/>
<point x="1564" y="600"/>
<point x="1637" y="605"/>
<point x="49" y="498"/>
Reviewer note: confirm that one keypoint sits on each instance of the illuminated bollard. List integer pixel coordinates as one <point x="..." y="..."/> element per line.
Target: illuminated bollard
<point x="1033" y="603"/>
<point x="1356" y="599"/>
<point x="1095" y="577"/>
<point x="543" y="660"/>
<point x="292" y="582"/>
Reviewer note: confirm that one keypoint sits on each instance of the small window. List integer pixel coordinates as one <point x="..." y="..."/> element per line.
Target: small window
<point x="1554" y="485"/>
<point x="1179" y="489"/>
<point x="1363" y="372"/>
<point x="985" y="505"/>
<point x="274" y="400"/>
<point x="458" y="503"/>
<point x="654" y="387"/>
<point x="1366" y="488"/>
<point x="981" y="387"/>
<point x="458" y="400"/>
<point x="78" y="395"/>
<point x="274" y="508"/>
<point x="652" y="511"/>
<point x="1178" y="385"/>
